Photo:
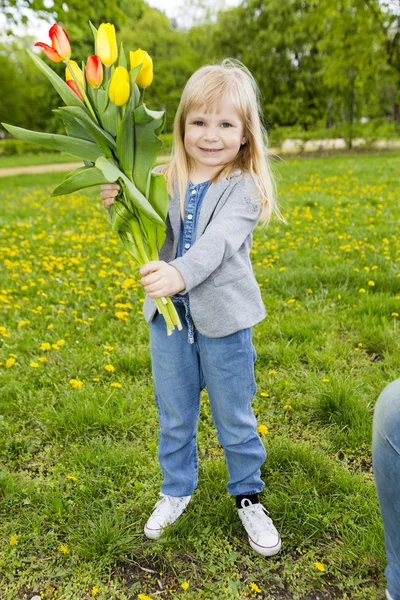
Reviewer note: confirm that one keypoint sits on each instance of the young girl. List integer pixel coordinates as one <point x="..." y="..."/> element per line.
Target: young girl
<point x="220" y="185"/>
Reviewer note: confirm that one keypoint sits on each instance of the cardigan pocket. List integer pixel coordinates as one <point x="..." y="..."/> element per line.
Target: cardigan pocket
<point x="229" y="277"/>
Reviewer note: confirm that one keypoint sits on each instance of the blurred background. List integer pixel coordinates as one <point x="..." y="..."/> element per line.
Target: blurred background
<point x="326" y="69"/>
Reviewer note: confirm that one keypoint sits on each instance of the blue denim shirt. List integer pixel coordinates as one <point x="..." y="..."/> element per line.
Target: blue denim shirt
<point x="187" y="237"/>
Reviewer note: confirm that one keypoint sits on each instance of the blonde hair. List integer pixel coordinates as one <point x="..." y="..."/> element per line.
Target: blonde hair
<point x="207" y="86"/>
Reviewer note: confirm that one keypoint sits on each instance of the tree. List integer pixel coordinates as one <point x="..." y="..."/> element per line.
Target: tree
<point x="275" y="40"/>
<point x="387" y="17"/>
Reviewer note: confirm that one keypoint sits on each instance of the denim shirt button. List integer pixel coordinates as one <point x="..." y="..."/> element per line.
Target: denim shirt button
<point x="190" y="217"/>
<point x="193" y="192"/>
<point x="187" y="246"/>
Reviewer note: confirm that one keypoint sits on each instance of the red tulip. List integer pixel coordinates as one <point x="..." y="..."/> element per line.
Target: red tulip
<point x="71" y="83"/>
<point x="94" y="71"/>
<point x="60" y="48"/>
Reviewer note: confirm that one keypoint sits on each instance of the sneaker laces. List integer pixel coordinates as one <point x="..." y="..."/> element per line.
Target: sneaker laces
<point x="256" y="515"/>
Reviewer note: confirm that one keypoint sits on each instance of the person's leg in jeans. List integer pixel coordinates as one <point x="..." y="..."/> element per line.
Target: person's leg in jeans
<point x="228" y="367"/>
<point x="177" y="380"/>
<point x="386" y="464"/>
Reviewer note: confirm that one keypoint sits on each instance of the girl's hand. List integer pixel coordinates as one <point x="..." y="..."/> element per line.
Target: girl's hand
<point x="161" y="279"/>
<point x="108" y="191"/>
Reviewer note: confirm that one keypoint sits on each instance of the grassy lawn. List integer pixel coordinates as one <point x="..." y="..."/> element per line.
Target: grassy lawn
<point x="79" y="471"/>
<point x="35" y="159"/>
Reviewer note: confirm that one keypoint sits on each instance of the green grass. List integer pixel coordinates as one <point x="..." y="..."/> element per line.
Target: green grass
<point x="79" y="471"/>
<point x="35" y="159"/>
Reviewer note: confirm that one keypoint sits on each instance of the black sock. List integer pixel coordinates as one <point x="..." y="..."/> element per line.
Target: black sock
<point x="252" y="497"/>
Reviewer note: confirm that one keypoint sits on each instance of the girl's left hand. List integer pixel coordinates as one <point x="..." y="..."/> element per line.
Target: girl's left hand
<point x="161" y="279"/>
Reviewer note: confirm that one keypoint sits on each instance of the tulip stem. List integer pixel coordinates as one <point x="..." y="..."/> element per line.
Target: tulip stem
<point x="82" y="91"/>
<point x="141" y="98"/>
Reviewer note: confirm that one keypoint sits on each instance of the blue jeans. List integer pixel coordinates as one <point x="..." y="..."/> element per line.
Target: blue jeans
<point x="181" y="370"/>
<point x="386" y="462"/>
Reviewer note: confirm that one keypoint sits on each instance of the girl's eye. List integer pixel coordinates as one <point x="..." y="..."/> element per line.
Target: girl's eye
<point x="198" y="123"/>
<point x="228" y="124"/>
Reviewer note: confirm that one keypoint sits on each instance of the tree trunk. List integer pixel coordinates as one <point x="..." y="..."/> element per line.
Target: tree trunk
<point x="351" y="108"/>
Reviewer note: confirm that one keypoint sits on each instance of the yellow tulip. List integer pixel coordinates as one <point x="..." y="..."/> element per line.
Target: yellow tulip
<point x="106" y="44"/>
<point x="145" y="75"/>
<point x="119" y="90"/>
<point x="77" y="72"/>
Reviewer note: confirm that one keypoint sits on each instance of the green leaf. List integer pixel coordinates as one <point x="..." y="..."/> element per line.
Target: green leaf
<point x="159" y="200"/>
<point x="69" y="97"/>
<point x="109" y="116"/>
<point x="148" y="124"/>
<point x="126" y="143"/>
<point x="94" y="31"/>
<point x="135" y="199"/>
<point x="72" y="126"/>
<point x="102" y="99"/>
<point x="110" y="171"/>
<point x="80" y="178"/>
<point x="104" y="140"/>
<point x="75" y="146"/>
<point x="122" y="57"/>
<point x="135" y="94"/>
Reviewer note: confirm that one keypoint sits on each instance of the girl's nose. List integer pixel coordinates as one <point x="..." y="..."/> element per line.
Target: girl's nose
<point x="211" y="134"/>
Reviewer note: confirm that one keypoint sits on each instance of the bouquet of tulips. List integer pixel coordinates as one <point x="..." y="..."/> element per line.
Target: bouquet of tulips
<point x="110" y="128"/>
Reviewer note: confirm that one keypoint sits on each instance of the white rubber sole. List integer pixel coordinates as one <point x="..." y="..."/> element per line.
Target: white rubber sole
<point x="266" y="550"/>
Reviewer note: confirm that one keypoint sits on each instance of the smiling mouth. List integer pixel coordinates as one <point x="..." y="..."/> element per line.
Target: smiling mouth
<point x="211" y="150"/>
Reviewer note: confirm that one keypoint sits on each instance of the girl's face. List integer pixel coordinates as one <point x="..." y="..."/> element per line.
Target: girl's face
<point x="213" y="139"/>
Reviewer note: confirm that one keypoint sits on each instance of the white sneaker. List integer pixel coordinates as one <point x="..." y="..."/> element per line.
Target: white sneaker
<point x="263" y="537"/>
<point x="388" y="596"/>
<point x="166" y="511"/>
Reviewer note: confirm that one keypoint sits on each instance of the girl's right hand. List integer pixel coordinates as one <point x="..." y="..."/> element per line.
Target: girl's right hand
<point x="108" y="191"/>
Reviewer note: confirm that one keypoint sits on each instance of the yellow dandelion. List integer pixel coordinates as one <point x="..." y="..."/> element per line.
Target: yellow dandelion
<point x="109" y="368"/>
<point x="43" y="359"/>
<point x="96" y="379"/>
<point x="309" y="291"/>
<point x="394" y="314"/>
<point x="254" y="588"/>
<point x="263" y="429"/>
<point x="143" y="597"/>
<point x="264" y="395"/>
<point x="74" y="383"/>
<point x="319" y="566"/>
<point x="291" y="300"/>
<point x="60" y="342"/>
<point x="325" y="380"/>
<point x="14" y="540"/>
<point x="288" y="407"/>
<point x="45" y="346"/>
<point x="34" y="365"/>
<point x="185" y="586"/>
<point x="115" y="384"/>
<point x="371" y="283"/>
<point x="122" y="314"/>
<point x="109" y="348"/>
<point x="95" y="590"/>
<point x="361" y="291"/>
<point x="339" y="297"/>
<point x="72" y="477"/>
<point x="51" y="326"/>
<point x="272" y="372"/>
<point x="23" y="323"/>
<point x="10" y="362"/>
<point x="64" y="549"/>
<point x="55" y="347"/>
